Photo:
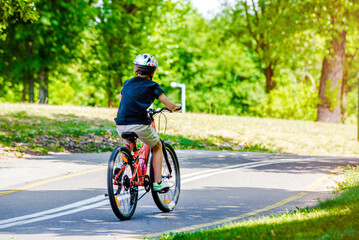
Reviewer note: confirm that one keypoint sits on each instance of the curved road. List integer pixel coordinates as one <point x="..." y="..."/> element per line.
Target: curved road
<point x="62" y="196"/>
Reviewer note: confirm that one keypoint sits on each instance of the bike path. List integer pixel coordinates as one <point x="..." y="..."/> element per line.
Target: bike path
<point x="258" y="183"/>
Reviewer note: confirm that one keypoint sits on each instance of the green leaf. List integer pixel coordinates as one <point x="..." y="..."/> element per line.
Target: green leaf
<point x="45" y="21"/>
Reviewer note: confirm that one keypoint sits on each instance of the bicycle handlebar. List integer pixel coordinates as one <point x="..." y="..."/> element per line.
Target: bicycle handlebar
<point x="153" y="112"/>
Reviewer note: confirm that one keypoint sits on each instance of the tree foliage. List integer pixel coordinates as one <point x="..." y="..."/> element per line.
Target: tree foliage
<point x="259" y="58"/>
<point x="267" y="28"/>
<point x="16" y="10"/>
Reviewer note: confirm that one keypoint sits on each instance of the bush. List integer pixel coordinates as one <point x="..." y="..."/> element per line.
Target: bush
<point x="294" y="101"/>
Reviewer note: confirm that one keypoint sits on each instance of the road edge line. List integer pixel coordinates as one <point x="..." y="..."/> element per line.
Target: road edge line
<point x="306" y="191"/>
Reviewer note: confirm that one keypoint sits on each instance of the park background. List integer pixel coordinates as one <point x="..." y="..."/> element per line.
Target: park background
<point x="280" y="59"/>
<point x="257" y="59"/>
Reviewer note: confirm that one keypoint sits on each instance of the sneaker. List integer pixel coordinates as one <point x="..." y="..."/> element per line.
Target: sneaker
<point x="158" y="187"/>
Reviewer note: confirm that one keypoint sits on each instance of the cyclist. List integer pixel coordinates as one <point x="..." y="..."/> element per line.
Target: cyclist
<point x="136" y="96"/>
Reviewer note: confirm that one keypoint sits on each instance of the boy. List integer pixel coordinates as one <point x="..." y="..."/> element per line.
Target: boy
<point x="136" y="96"/>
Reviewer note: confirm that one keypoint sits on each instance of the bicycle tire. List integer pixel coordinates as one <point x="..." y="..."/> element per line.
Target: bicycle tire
<point x="167" y="201"/>
<point x="123" y="197"/>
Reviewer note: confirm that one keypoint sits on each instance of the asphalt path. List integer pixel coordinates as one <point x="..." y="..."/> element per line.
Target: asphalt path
<point x="62" y="196"/>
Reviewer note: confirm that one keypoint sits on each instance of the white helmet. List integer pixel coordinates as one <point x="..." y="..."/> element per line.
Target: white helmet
<point x="146" y="59"/>
<point x="145" y="64"/>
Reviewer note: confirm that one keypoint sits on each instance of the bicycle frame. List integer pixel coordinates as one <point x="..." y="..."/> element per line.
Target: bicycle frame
<point x="140" y="154"/>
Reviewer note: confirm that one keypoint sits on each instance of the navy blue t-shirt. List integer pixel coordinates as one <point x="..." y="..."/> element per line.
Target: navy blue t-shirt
<point x="137" y="95"/>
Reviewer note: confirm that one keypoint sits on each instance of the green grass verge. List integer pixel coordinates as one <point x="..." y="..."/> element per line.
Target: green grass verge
<point x="34" y="128"/>
<point x="336" y="218"/>
<point x="27" y="132"/>
<point x="40" y="129"/>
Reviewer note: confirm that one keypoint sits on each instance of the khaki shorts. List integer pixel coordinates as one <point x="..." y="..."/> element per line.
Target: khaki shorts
<point x="145" y="133"/>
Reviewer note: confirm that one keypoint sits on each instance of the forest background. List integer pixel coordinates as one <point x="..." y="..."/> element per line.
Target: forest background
<point x="268" y="58"/>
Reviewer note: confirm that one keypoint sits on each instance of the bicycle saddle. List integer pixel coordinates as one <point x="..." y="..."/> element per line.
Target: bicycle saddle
<point x="131" y="136"/>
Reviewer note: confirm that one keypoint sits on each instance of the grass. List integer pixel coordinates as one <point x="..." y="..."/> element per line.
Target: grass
<point x="43" y="128"/>
<point x="285" y="136"/>
<point x="33" y="128"/>
<point x="336" y="218"/>
<point x="30" y="126"/>
<point x="36" y="129"/>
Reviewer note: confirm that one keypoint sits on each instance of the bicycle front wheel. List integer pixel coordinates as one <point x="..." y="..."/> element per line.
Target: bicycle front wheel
<point x="122" y="196"/>
<point x="167" y="200"/>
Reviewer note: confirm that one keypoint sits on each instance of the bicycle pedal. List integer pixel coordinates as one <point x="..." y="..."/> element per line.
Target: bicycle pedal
<point x="164" y="190"/>
<point x="106" y="194"/>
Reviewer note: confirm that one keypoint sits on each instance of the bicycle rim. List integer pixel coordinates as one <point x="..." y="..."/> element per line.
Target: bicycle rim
<point x="167" y="201"/>
<point x="123" y="198"/>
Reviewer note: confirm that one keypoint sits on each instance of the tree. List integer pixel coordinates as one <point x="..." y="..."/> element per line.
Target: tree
<point x="218" y="71"/>
<point x="329" y="109"/>
<point x="265" y="28"/>
<point x="11" y="12"/>
<point x="123" y="29"/>
<point x="37" y="48"/>
<point x="334" y="19"/>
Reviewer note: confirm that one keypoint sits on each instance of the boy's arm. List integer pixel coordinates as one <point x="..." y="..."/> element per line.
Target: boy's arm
<point x="170" y="105"/>
<point x="120" y="97"/>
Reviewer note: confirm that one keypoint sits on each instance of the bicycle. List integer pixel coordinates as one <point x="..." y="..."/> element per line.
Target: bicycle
<point x="127" y="172"/>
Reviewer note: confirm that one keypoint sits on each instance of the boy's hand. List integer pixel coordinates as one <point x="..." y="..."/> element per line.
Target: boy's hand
<point x="178" y="107"/>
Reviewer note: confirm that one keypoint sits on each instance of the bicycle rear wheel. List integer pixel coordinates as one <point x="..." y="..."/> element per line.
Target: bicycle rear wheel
<point x="123" y="197"/>
<point x="167" y="200"/>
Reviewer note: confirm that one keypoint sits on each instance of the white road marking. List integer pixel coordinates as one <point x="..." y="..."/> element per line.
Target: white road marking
<point x="54" y="210"/>
<point x="38" y="219"/>
<point x="102" y="200"/>
<point x="206" y="173"/>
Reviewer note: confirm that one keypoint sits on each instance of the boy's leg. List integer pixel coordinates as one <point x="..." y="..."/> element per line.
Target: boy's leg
<point x="158" y="184"/>
<point x="157" y="161"/>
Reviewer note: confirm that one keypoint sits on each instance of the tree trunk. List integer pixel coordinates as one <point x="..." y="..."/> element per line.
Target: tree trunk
<point x="31" y="88"/>
<point x="110" y="98"/>
<point x="30" y="80"/>
<point x="269" y="78"/>
<point x="43" y="88"/>
<point x="343" y="95"/>
<point x="24" y="91"/>
<point x="46" y="85"/>
<point x="329" y="108"/>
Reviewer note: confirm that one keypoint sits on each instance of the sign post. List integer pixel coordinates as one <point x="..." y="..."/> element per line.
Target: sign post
<point x="183" y="94"/>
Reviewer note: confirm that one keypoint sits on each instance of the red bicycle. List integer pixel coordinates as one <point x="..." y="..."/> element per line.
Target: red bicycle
<point x="128" y="171"/>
